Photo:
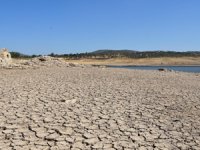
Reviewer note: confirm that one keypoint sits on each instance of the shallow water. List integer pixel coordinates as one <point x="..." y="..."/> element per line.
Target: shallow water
<point x="194" y="69"/>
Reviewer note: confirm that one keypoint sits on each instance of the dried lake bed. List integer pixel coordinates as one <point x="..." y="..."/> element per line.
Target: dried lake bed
<point x="98" y="108"/>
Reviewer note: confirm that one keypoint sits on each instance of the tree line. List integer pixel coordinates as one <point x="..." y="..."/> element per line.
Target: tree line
<point x="106" y="54"/>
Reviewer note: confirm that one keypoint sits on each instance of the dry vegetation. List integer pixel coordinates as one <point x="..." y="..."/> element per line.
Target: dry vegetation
<point x="141" y="61"/>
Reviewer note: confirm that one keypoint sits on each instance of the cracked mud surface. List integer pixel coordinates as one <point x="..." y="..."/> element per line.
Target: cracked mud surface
<point x="94" y="108"/>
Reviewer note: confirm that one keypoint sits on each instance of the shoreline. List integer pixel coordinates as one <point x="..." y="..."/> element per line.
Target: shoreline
<point x="188" y="69"/>
<point x="124" y="65"/>
<point x="162" y="61"/>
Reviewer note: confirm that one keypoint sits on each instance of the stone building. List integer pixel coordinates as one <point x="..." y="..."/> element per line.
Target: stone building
<point x="5" y="57"/>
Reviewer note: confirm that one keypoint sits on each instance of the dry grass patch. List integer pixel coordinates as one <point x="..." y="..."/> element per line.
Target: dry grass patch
<point x="141" y="61"/>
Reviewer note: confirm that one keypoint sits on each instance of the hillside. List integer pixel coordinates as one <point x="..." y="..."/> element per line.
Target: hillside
<point x="143" y="54"/>
<point x="127" y="57"/>
<point x="107" y="54"/>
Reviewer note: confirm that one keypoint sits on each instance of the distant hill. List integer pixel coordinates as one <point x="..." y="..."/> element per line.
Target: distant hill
<point x="105" y="54"/>
<point x="113" y="51"/>
<point x="143" y="54"/>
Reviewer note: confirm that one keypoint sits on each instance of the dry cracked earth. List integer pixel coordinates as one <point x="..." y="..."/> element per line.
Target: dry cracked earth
<point x="95" y="108"/>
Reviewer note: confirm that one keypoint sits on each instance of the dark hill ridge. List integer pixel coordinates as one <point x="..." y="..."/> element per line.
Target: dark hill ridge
<point x="144" y="54"/>
<point x="118" y="54"/>
<point x="113" y="51"/>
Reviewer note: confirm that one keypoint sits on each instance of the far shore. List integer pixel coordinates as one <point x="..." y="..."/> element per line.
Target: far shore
<point x="162" y="61"/>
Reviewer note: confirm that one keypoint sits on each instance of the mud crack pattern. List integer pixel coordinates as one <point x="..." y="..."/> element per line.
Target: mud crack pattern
<point x="95" y="108"/>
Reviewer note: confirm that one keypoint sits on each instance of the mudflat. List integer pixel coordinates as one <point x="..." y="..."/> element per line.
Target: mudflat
<point x="98" y="108"/>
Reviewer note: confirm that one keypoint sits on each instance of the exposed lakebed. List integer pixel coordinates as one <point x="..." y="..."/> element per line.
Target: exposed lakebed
<point x="61" y="107"/>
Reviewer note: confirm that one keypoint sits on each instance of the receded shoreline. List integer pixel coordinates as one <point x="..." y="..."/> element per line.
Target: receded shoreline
<point x="192" y="69"/>
<point x="161" y="61"/>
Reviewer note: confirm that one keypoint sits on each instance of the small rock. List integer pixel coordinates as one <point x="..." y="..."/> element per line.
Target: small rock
<point x="66" y="131"/>
<point x="91" y="141"/>
<point x="88" y="136"/>
<point x="52" y="137"/>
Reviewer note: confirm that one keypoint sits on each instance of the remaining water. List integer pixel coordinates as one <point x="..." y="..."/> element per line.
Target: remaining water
<point x="194" y="69"/>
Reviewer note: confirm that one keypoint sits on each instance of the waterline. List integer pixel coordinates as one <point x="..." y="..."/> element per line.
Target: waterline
<point x="194" y="69"/>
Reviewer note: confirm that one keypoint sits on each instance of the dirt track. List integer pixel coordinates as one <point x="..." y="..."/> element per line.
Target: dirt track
<point x="95" y="108"/>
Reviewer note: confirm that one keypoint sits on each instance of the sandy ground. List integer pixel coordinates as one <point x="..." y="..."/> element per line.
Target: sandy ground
<point x="99" y="108"/>
<point x="184" y="61"/>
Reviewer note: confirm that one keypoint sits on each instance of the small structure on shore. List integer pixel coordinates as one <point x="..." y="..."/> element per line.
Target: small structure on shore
<point x="5" y="57"/>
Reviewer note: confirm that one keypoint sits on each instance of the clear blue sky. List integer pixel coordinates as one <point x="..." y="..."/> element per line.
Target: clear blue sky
<point x="71" y="26"/>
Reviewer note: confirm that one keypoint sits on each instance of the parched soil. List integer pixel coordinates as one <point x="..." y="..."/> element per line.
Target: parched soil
<point x="98" y="108"/>
<point x="182" y="61"/>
